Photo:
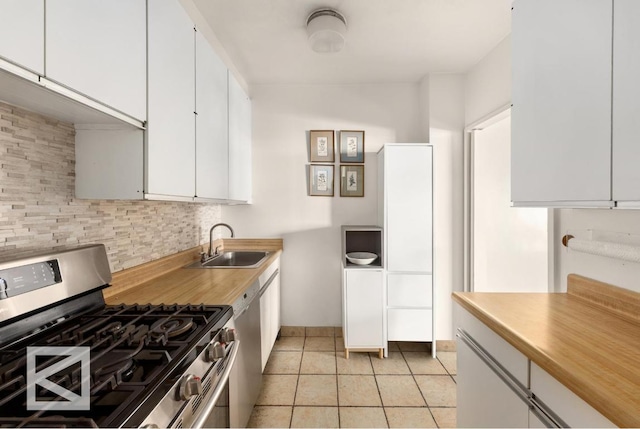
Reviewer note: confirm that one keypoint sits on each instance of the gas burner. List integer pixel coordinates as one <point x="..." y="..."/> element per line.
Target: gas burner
<point x="171" y="327"/>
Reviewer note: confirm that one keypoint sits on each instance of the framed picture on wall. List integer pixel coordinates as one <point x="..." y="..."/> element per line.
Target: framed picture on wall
<point x="352" y="180"/>
<point x="321" y="146"/>
<point x="321" y="180"/>
<point x="352" y="147"/>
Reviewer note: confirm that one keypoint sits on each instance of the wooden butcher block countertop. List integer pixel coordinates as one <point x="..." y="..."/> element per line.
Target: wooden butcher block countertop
<point x="178" y="285"/>
<point x="587" y="338"/>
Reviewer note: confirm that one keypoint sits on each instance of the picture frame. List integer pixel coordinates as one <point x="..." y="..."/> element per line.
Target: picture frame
<point x="321" y="146"/>
<point x="352" y="180"/>
<point x="321" y="180"/>
<point x="352" y="147"/>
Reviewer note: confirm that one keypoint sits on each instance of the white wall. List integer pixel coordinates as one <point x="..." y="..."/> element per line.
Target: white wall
<point x="577" y="222"/>
<point x="446" y="124"/>
<point x="310" y="226"/>
<point x="488" y="83"/>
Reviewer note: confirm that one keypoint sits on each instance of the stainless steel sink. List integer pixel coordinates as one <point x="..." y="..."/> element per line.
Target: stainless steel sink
<point x="233" y="259"/>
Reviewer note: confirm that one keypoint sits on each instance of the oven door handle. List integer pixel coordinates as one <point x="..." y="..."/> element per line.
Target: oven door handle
<point x="222" y="382"/>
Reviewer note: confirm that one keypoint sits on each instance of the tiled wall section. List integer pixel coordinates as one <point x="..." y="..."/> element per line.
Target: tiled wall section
<point x="38" y="209"/>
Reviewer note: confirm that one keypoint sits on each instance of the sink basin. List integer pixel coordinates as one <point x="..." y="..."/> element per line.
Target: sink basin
<point x="233" y="259"/>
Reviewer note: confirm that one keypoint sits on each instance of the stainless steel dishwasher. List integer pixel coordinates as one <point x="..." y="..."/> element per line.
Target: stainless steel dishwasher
<point x="246" y="377"/>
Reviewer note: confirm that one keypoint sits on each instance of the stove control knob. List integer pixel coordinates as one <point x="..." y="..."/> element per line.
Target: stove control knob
<point x="215" y="351"/>
<point x="189" y="386"/>
<point x="228" y="335"/>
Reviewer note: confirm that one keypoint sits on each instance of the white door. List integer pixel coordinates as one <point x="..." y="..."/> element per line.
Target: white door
<point x="510" y="244"/>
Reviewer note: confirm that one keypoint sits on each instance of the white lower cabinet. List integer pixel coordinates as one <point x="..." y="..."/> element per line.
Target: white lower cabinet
<point x="497" y="386"/>
<point x="492" y="377"/>
<point x="363" y="308"/>
<point x="570" y="410"/>
<point x="484" y="398"/>
<point x="269" y="310"/>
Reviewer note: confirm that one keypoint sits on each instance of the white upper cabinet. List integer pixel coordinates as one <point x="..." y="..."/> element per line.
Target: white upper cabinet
<point x="561" y="117"/>
<point x="239" y="142"/>
<point x="170" y="141"/>
<point x="212" y="137"/>
<point x="22" y="33"/>
<point x="98" y="48"/>
<point x="407" y="193"/>
<point x="626" y="101"/>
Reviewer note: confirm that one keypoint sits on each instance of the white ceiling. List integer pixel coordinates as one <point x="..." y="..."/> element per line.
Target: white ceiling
<point x="387" y="40"/>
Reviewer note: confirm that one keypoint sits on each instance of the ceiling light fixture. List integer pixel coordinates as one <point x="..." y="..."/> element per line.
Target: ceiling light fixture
<point x="326" y="29"/>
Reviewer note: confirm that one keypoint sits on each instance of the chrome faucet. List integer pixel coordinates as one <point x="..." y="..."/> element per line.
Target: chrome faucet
<point x="211" y="251"/>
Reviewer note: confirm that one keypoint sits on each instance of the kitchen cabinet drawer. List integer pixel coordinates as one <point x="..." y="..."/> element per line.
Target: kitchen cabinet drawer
<point x="564" y="403"/>
<point x="22" y="33"/>
<point x="409" y="324"/>
<point x="484" y="398"/>
<point x="409" y="290"/>
<point x="98" y="48"/>
<point x="509" y="357"/>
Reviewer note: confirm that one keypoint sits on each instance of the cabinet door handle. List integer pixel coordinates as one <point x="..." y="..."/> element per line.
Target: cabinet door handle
<point x="495" y="366"/>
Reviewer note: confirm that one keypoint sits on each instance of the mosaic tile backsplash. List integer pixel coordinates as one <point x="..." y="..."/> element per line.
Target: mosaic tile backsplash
<point x="38" y="209"/>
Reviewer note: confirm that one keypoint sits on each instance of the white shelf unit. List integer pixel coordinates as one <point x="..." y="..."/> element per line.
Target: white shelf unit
<point x="363" y="292"/>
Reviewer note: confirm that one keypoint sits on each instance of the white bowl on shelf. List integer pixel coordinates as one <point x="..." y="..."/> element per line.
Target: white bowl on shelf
<point x="361" y="258"/>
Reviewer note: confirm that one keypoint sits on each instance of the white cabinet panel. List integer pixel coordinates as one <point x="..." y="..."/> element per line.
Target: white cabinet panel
<point x="364" y="304"/>
<point x="408" y="208"/>
<point x="483" y="398"/>
<point x="561" y="116"/>
<point x="269" y="318"/>
<point x="239" y="142"/>
<point x="564" y="403"/>
<point x="170" y="145"/>
<point x="626" y="100"/>
<point x="22" y="33"/>
<point x="509" y="357"/>
<point x="98" y="48"/>
<point x="409" y="290"/>
<point x="212" y="145"/>
<point x="109" y="164"/>
<point x="409" y="324"/>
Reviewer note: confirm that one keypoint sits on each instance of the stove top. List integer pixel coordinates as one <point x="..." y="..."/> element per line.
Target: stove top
<point x="136" y="353"/>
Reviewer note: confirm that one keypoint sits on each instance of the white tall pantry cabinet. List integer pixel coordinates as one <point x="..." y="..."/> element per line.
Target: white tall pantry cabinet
<point x="405" y="211"/>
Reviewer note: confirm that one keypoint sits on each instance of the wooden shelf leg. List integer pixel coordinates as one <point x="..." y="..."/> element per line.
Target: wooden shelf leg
<point x="381" y="353"/>
<point x="346" y="353"/>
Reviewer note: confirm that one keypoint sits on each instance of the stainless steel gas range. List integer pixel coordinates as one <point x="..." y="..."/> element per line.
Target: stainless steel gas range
<point x="69" y="360"/>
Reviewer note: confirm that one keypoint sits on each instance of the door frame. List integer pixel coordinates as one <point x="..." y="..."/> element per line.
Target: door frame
<point x="468" y="155"/>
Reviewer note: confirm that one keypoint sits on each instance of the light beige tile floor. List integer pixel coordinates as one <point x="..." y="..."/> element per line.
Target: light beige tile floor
<point x="308" y="383"/>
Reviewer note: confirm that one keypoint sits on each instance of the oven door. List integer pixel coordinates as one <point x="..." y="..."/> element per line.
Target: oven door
<point x="215" y="413"/>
